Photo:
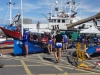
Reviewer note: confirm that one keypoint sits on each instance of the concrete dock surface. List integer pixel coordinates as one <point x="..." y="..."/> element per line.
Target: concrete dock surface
<point x="43" y="64"/>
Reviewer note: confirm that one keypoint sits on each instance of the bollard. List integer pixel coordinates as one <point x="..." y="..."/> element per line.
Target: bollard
<point x="80" y="51"/>
<point x="83" y="57"/>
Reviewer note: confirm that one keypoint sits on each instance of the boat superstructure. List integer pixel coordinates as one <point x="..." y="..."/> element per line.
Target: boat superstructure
<point x="62" y="14"/>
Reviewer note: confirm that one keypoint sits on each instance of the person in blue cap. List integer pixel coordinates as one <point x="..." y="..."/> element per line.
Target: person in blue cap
<point x="25" y="41"/>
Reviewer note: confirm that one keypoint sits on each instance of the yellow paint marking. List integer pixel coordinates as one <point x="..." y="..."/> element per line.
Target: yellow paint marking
<point x="65" y="61"/>
<point x="17" y="56"/>
<point x="41" y="58"/>
<point x="39" y="62"/>
<point x="84" y="74"/>
<point x="47" y="74"/>
<point x="72" y="68"/>
<point x="36" y="60"/>
<point x="26" y="68"/>
<point x="55" y="74"/>
<point x="58" y="68"/>
<point x="11" y="65"/>
<point x="66" y="73"/>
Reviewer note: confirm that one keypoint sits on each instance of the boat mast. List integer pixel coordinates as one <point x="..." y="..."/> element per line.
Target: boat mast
<point x="10" y="8"/>
<point x="70" y="8"/>
<point x="9" y="12"/>
<point x="10" y="4"/>
<point x="65" y="6"/>
<point x="22" y="17"/>
<point x="61" y="5"/>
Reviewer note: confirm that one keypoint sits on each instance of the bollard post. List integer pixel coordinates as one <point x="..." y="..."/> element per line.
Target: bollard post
<point x="81" y="55"/>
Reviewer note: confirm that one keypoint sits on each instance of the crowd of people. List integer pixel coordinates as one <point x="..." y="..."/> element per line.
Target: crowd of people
<point x="89" y="40"/>
<point x="59" y="41"/>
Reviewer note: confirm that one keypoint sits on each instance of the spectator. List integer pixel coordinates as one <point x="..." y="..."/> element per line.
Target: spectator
<point x="35" y="37"/>
<point x="58" y="46"/>
<point x="49" y="46"/>
<point x="65" y="42"/>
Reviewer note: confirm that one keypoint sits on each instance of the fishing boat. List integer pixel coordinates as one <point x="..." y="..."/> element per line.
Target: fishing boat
<point x="11" y="33"/>
<point x="11" y="30"/>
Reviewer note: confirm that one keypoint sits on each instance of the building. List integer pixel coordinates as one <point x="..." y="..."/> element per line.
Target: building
<point x="25" y="21"/>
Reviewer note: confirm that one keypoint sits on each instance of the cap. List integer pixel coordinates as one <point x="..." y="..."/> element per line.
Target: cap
<point x="25" y="29"/>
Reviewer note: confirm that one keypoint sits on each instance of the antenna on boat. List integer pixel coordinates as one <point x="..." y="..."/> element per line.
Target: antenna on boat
<point x="54" y="4"/>
<point x="21" y="17"/>
<point x="10" y="4"/>
<point x="10" y="10"/>
<point x="61" y="5"/>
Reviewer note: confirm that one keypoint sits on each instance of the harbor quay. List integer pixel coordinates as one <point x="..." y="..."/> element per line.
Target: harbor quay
<point x="43" y="64"/>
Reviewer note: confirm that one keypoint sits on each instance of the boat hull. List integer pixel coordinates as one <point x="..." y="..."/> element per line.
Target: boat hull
<point x="11" y="33"/>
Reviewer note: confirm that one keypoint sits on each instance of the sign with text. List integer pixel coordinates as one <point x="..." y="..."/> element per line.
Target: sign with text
<point x="97" y="49"/>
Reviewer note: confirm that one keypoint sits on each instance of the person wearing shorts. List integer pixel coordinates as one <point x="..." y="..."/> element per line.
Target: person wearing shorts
<point x="25" y="41"/>
<point x="65" y="43"/>
<point x="49" y="46"/>
<point x="58" y="46"/>
<point x="49" y="43"/>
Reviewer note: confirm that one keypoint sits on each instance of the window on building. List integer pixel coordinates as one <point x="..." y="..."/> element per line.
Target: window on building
<point x="58" y="21"/>
<point x="63" y="21"/>
<point x="54" y="21"/>
<point x="50" y="20"/>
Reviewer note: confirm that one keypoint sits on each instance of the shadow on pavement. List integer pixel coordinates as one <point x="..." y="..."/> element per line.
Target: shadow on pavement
<point x="48" y="59"/>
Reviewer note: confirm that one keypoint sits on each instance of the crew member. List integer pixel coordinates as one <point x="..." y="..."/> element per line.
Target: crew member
<point x="58" y="46"/>
<point x="25" y="41"/>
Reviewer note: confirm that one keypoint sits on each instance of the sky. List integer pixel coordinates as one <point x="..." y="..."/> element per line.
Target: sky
<point x="33" y="8"/>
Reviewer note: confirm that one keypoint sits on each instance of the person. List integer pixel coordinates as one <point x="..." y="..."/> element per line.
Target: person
<point x="95" y="39"/>
<point x="65" y="42"/>
<point x="49" y="43"/>
<point x="25" y="41"/>
<point x="30" y="37"/>
<point x="58" y="46"/>
<point x="35" y="37"/>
